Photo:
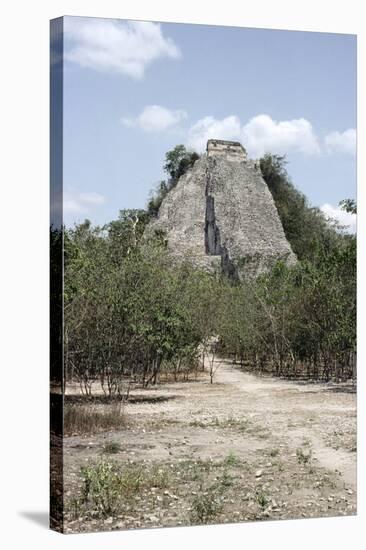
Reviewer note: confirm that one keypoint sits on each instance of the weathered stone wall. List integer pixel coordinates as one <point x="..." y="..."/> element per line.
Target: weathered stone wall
<point x="232" y="150"/>
<point x="221" y="215"/>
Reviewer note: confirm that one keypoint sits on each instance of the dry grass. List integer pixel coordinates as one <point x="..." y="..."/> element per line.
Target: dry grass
<point x="88" y="419"/>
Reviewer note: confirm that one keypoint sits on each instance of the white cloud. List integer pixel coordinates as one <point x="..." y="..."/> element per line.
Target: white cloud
<point x="262" y="135"/>
<point x="126" y="47"/>
<point x="259" y="135"/>
<point x="75" y="202"/>
<point x="212" y="128"/>
<point x="344" y="218"/>
<point x="91" y="198"/>
<point x="155" y="118"/>
<point x="341" y="142"/>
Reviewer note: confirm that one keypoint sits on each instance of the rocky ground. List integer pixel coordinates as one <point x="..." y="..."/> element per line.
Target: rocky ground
<point x="242" y="449"/>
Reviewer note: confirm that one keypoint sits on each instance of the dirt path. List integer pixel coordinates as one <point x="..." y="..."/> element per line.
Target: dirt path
<point x="313" y="412"/>
<point x="293" y="443"/>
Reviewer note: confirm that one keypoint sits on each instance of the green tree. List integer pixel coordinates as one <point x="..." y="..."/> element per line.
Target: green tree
<point x="305" y="227"/>
<point x="177" y="162"/>
<point x="349" y="205"/>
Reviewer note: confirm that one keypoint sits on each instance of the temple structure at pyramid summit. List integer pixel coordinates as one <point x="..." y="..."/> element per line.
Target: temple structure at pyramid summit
<point x="221" y="215"/>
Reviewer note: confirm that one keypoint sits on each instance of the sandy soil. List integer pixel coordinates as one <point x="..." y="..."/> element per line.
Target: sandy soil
<point x="255" y="448"/>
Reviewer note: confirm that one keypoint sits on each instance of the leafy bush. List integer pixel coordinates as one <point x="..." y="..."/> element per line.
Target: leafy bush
<point x="102" y="487"/>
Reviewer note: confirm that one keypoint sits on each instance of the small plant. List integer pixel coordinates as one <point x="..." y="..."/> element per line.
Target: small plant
<point x="303" y="455"/>
<point x="226" y="480"/>
<point x="240" y="423"/>
<point x="199" y="469"/>
<point x="262" y="499"/>
<point x="243" y="425"/>
<point x="231" y="460"/>
<point x="111" y="448"/>
<point x="205" y="507"/>
<point x="327" y="481"/>
<point x="159" y="477"/>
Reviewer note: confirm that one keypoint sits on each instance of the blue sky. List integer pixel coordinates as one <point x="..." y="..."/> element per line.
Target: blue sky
<point x="132" y="91"/>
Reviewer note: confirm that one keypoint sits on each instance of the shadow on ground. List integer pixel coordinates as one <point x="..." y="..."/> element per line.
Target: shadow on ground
<point x="103" y="400"/>
<point x="40" y="518"/>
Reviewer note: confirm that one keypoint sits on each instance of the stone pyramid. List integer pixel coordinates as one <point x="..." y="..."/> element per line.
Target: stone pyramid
<point x="221" y="215"/>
